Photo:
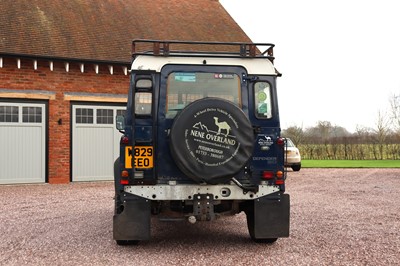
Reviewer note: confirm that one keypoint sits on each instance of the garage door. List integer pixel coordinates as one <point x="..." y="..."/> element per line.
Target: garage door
<point x="95" y="142"/>
<point x="22" y="142"/>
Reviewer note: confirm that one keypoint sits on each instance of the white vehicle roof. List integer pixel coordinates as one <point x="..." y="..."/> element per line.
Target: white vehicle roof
<point x="155" y="54"/>
<point x="255" y="66"/>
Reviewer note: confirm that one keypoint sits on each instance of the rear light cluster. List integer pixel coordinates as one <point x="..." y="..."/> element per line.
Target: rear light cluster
<point x="125" y="140"/>
<point x="277" y="176"/>
<point x="124" y="173"/>
<point x="124" y="177"/>
<point x="280" y="141"/>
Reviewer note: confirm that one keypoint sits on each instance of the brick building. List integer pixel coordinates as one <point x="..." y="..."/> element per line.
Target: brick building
<point x="64" y="75"/>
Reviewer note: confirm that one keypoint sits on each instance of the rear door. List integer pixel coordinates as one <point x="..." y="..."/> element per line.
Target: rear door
<point x="264" y="116"/>
<point x="183" y="84"/>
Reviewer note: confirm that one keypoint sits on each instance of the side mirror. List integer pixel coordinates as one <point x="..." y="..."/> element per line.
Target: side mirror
<point x="120" y="122"/>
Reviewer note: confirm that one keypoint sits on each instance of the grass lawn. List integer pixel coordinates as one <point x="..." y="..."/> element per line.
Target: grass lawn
<point x="350" y="163"/>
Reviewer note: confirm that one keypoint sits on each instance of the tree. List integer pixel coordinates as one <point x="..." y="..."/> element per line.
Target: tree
<point x="395" y="111"/>
<point x="382" y="131"/>
<point x="339" y="132"/>
<point x="295" y="133"/>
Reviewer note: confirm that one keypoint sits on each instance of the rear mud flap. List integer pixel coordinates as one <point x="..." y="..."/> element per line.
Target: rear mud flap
<point x="272" y="217"/>
<point x="133" y="223"/>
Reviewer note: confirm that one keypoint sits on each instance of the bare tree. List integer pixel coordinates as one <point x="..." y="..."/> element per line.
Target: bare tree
<point x="382" y="131"/>
<point x="324" y="128"/>
<point x="295" y="133"/>
<point x="395" y="111"/>
<point x="325" y="141"/>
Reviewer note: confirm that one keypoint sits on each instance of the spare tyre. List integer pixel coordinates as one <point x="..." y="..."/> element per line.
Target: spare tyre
<point x="211" y="140"/>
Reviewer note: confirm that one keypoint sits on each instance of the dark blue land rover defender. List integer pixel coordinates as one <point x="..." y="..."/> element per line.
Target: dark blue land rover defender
<point x="201" y="139"/>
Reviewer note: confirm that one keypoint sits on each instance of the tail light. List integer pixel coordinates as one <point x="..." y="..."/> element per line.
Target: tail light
<point x="124" y="140"/>
<point x="279" y="174"/>
<point x="271" y="175"/>
<point x="124" y="178"/>
<point x="268" y="174"/>
<point x="280" y="141"/>
<point x="279" y="178"/>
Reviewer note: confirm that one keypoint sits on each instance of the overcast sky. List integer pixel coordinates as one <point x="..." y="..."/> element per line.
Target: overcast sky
<point x="340" y="59"/>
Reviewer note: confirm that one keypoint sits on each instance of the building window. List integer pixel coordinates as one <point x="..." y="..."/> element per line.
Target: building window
<point x="32" y="114"/>
<point x="121" y="112"/>
<point x="105" y="116"/>
<point x="84" y="116"/>
<point x="9" y="114"/>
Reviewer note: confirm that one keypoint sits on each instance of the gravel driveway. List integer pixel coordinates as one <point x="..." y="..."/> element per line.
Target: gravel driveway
<point x="338" y="217"/>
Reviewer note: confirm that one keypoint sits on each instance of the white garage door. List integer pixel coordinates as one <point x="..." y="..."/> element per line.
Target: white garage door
<point x="22" y="143"/>
<point x="95" y="142"/>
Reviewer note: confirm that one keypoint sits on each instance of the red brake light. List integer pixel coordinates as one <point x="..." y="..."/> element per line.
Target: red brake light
<point x="124" y="178"/>
<point x="279" y="182"/>
<point x="280" y="141"/>
<point x="124" y="140"/>
<point x="268" y="175"/>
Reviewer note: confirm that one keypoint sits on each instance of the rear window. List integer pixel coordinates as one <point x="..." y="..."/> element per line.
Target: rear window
<point x="289" y="143"/>
<point x="186" y="87"/>
<point x="262" y="97"/>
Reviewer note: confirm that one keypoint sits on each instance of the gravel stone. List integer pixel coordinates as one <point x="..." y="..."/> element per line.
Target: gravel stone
<point x="338" y="217"/>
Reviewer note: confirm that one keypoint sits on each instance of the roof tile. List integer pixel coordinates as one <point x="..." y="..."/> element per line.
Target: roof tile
<point x="103" y="30"/>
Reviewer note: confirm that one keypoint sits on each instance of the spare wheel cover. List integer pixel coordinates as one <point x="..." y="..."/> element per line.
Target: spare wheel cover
<point x="211" y="140"/>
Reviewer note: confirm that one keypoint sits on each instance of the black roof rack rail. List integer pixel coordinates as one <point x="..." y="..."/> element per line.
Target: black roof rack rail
<point x="201" y="49"/>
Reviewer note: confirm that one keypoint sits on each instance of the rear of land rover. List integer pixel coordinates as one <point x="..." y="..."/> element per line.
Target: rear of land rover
<point x="201" y="139"/>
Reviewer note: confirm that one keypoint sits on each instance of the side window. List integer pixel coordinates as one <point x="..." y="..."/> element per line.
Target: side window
<point x="262" y="97"/>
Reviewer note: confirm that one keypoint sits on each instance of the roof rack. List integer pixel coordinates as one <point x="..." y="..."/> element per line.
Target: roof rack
<point x="201" y="49"/>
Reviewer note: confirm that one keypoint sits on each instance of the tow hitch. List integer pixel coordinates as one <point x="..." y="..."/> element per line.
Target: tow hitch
<point x="203" y="208"/>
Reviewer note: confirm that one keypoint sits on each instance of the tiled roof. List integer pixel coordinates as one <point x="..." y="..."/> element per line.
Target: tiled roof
<point x="103" y="30"/>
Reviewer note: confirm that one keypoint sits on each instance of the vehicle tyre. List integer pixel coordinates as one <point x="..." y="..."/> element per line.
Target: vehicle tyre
<point x="211" y="140"/>
<point x="251" y="228"/>
<point x="296" y="168"/>
<point x="118" y="206"/>
<point x="266" y="240"/>
<point x="117" y="176"/>
<point x="127" y="242"/>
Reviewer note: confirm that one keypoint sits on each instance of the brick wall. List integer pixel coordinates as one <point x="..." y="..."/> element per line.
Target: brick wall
<point x="60" y="81"/>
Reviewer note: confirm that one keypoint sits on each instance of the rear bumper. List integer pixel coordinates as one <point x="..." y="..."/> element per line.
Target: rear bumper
<point x="292" y="161"/>
<point x="292" y="164"/>
<point x="186" y="192"/>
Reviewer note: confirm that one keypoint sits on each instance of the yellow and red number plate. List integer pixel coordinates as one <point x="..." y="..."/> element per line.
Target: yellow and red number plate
<point x="143" y="156"/>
